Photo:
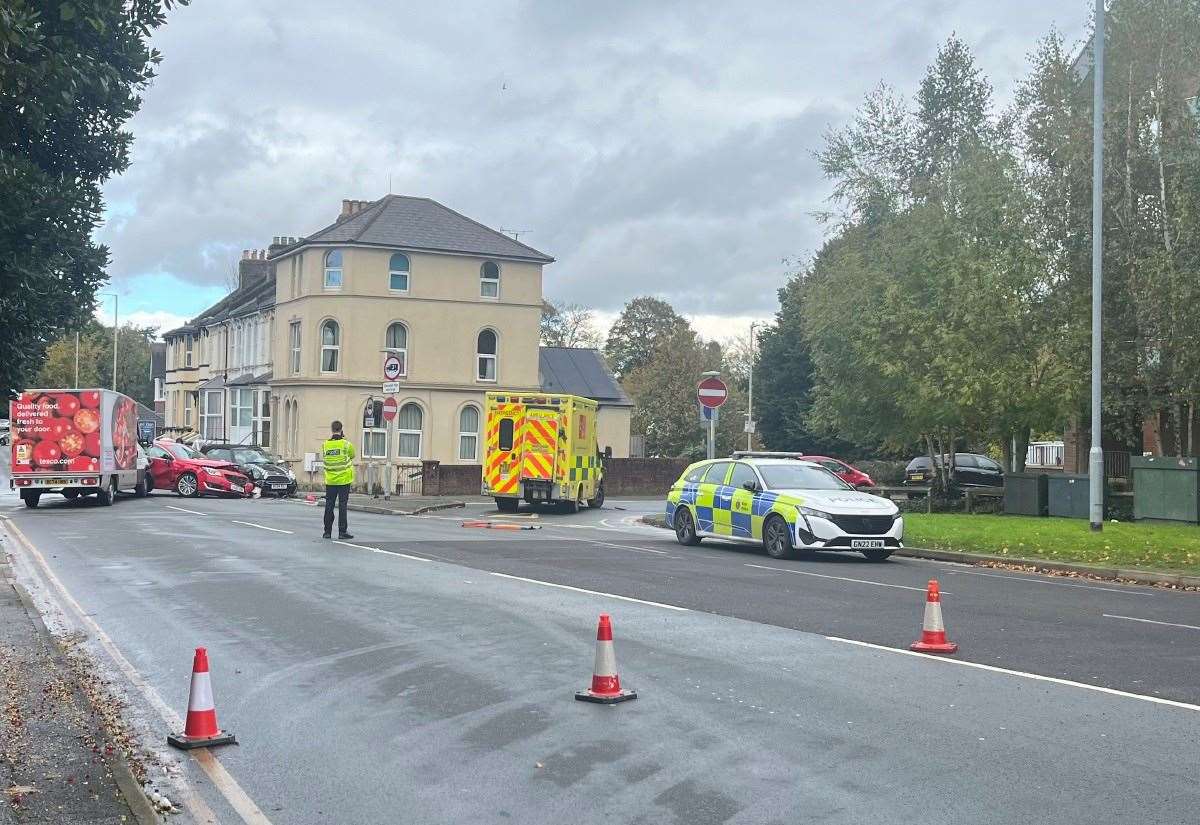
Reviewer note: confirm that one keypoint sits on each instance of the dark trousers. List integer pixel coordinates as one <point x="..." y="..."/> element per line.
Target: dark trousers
<point x="336" y="494"/>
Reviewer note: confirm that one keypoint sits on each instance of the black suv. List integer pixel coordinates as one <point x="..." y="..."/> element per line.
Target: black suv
<point x="269" y="474"/>
<point x="970" y="470"/>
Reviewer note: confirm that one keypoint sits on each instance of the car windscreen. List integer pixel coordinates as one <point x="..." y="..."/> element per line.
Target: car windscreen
<point x="181" y="451"/>
<point x="249" y="457"/>
<point x="800" y="477"/>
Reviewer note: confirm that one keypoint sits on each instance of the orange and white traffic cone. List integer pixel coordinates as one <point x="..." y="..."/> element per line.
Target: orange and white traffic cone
<point x="201" y="730"/>
<point x="606" y="684"/>
<point x="933" y="629"/>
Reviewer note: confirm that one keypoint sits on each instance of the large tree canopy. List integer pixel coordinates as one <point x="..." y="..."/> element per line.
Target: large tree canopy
<point x="70" y="75"/>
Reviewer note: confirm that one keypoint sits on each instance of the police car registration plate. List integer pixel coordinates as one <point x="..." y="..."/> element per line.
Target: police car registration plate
<point x="866" y="544"/>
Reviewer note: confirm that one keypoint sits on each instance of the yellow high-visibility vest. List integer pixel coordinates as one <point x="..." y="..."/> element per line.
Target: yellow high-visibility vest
<point x="338" y="453"/>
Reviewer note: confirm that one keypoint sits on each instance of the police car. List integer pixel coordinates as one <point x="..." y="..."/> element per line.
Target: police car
<point x="792" y="507"/>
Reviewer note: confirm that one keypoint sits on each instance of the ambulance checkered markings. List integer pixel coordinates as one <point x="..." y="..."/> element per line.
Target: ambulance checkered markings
<point x="584" y="468"/>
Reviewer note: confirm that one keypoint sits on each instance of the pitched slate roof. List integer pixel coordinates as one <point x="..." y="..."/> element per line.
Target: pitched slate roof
<point x="580" y="371"/>
<point x="420" y="223"/>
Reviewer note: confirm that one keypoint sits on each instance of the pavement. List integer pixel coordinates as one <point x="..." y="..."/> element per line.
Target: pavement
<point x="429" y="669"/>
<point x="57" y="763"/>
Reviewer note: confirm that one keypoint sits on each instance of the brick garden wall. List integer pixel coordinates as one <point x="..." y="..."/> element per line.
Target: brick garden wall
<point x="622" y="477"/>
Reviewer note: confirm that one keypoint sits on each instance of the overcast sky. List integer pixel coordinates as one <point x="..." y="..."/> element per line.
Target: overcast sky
<point x="651" y="147"/>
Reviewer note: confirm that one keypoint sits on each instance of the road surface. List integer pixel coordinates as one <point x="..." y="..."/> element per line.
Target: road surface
<point x="424" y="672"/>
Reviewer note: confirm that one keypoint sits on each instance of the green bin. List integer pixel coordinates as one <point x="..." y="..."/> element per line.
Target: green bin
<point x="1025" y="494"/>
<point x="1068" y="496"/>
<point x="1165" y="489"/>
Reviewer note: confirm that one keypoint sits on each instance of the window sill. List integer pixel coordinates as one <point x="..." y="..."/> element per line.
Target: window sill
<point x="397" y="291"/>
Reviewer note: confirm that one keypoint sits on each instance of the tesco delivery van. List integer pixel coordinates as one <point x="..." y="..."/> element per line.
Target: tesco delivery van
<point x="75" y="442"/>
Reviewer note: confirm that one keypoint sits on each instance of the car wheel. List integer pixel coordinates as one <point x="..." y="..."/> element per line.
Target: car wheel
<point x="685" y="528"/>
<point x="187" y="485"/>
<point x="598" y="501"/>
<point x="777" y="538"/>
<point x="142" y="488"/>
<point x="108" y="494"/>
<point x="31" y="500"/>
<point x="877" y="554"/>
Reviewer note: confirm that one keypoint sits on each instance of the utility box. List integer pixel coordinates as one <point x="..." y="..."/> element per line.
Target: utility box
<point x="1025" y="494"/>
<point x="1166" y="489"/>
<point x="1068" y="496"/>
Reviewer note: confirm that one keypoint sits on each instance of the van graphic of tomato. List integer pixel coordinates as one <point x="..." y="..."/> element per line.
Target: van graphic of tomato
<point x="87" y="420"/>
<point x="90" y="399"/>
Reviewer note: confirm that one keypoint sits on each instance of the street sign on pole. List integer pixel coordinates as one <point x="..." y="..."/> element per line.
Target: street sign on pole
<point x="712" y="392"/>
<point x="389" y="409"/>
<point x="708" y="414"/>
<point x="391" y="387"/>
<point x="392" y="367"/>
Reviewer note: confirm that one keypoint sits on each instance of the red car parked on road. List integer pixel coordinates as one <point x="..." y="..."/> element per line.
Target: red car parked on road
<point x="175" y="466"/>
<point x="852" y="476"/>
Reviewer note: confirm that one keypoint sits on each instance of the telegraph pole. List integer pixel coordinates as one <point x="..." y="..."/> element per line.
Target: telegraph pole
<point x="1096" y="454"/>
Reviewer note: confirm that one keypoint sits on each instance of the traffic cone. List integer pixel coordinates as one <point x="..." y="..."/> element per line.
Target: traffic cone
<point x="201" y="729"/>
<point x="606" y="684"/>
<point x="933" y="629"/>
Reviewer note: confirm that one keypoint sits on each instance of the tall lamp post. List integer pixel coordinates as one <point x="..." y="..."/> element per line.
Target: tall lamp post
<point x="1096" y="453"/>
<point x="116" y="303"/>
<point x="750" y="394"/>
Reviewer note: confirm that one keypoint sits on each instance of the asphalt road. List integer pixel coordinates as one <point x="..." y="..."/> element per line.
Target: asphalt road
<point x="425" y="671"/>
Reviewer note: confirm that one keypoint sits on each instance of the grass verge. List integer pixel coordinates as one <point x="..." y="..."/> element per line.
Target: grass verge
<point x="1163" y="547"/>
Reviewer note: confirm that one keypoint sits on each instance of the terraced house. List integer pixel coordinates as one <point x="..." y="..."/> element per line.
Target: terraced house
<point x="456" y="303"/>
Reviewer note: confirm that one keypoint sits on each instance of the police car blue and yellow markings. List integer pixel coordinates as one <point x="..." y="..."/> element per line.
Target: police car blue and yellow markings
<point x="730" y="511"/>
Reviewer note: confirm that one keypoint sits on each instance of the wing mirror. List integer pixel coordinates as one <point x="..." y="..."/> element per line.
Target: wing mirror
<point x="752" y="486"/>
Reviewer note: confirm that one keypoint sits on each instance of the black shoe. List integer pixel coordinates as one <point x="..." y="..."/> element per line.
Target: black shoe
<point x="344" y="536"/>
<point x="326" y="536"/>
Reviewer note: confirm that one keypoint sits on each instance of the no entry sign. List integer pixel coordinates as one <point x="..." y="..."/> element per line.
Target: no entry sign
<point x="712" y="392"/>
<point x="389" y="409"/>
<point x="392" y="367"/>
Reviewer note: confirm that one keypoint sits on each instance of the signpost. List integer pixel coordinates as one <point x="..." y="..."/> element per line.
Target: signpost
<point x="391" y="387"/>
<point x="712" y="393"/>
<point x="389" y="409"/>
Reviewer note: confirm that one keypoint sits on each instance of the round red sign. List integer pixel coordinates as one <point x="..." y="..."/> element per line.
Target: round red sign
<point x="389" y="408"/>
<point x="392" y="367"/>
<point x="712" y="392"/>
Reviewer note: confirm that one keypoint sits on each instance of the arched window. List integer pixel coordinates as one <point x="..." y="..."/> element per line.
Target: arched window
<point x="485" y="356"/>
<point x="408" y="425"/>
<point x="398" y="273"/>
<point x="333" y="269"/>
<point x="396" y="343"/>
<point x="331" y="346"/>
<point x="374" y="439"/>
<point x="468" y="434"/>
<point x="489" y="280"/>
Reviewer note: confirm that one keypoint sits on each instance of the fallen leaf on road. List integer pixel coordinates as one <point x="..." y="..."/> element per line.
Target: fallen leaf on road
<point x="20" y="790"/>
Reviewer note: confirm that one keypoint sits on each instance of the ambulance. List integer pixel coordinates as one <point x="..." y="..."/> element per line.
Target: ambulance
<point x="542" y="449"/>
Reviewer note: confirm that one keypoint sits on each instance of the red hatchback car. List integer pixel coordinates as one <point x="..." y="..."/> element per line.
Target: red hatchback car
<point x="175" y="466"/>
<point x="848" y="474"/>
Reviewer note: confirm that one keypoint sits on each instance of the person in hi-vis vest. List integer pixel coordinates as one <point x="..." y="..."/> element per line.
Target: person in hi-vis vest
<point x="338" y="455"/>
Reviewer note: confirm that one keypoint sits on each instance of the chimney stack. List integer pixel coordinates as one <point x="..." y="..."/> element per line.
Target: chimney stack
<point x="352" y="207"/>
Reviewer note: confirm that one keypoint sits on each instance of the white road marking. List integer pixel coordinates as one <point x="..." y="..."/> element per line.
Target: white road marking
<point x="237" y="798"/>
<point x="380" y="550"/>
<point x="1006" y="671"/>
<point x="1128" y="592"/>
<point x="357" y="546"/>
<point x="840" y="578"/>
<point x="261" y="526"/>
<point x="589" y="592"/>
<point x="185" y="510"/>
<point x="1149" y="621"/>
<point x="620" y="546"/>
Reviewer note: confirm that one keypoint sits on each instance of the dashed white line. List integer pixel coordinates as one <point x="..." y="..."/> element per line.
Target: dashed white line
<point x="839" y="578"/>
<point x="620" y="546"/>
<point x="1149" y="621"/>
<point x="261" y="526"/>
<point x="589" y="592"/>
<point x="185" y="510"/>
<point x="380" y="550"/>
<point x="1034" y="676"/>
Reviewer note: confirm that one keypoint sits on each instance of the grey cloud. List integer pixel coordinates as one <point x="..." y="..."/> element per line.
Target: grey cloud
<point x="649" y="146"/>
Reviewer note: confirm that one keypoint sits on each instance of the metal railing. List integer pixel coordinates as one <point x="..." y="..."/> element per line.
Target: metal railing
<point x="1116" y="464"/>
<point x="1045" y="454"/>
<point x="386" y="479"/>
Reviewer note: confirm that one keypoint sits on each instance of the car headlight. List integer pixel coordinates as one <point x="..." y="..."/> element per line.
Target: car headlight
<point x="814" y="513"/>
<point x="288" y="472"/>
<point x="213" y="471"/>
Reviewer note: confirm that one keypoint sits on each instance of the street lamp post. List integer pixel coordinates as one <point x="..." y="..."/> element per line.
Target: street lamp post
<point x="116" y="303"/>
<point x="1096" y="454"/>
<point x="750" y="394"/>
